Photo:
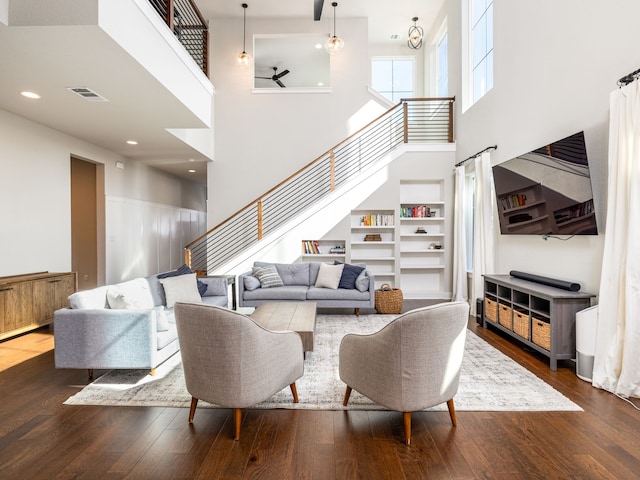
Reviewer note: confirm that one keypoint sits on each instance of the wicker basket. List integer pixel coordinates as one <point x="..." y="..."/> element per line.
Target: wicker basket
<point x="388" y="300"/>
<point x="521" y="324"/>
<point x="541" y="333"/>
<point x="505" y="317"/>
<point x="490" y="310"/>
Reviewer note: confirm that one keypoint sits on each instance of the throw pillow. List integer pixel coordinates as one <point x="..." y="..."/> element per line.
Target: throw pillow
<point x="182" y="288"/>
<point x="132" y="294"/>
<point x="185" y="270"/>
<point x="268" y="276"/>
<point x="362" y="282"/>
<point x="329" y="276"/>
<point x="349" y="275"/>
<point x="251" y="283"/>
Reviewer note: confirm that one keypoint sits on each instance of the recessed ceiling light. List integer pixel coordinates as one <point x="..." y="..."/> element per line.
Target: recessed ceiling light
<point x="318" y="46"/>
<point x="320" y="84"/>
<point x="132" y="142"/>
<point x="28" y="94"/>
<point x="394" y="36"/>
<point x="191" y="170"/>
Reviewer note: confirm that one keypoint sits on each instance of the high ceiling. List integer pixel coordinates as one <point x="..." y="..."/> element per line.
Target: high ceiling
<point x="386" y="17"/>
<point x="50" y="59"/>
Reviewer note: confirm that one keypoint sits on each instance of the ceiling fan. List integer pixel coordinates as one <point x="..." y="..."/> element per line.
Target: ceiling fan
<point x="277" y="76"/>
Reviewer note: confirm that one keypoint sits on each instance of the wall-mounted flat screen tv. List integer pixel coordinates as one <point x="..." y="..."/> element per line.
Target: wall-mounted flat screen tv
<point x="547" y="191"/>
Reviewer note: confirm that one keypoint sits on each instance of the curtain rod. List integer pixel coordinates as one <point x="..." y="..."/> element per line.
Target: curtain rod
<point x="627" y="79"/>
<point x="476" y="155"/>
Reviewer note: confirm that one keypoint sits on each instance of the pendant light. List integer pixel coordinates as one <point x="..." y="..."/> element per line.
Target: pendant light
<point x="244" y="58"/>
<point x="415" y="35"/>
<point x="334" y="44"/>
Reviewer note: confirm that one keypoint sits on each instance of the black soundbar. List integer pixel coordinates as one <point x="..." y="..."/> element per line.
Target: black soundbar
<point x="552" y="282"/>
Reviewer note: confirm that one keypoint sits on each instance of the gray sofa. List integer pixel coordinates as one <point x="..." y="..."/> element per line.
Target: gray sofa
<point x="300" y="282"/>
<point x="129" y="325"/>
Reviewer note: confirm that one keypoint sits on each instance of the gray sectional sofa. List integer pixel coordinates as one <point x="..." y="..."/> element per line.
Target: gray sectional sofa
<point x="308" y="281"/>
<point x="129" y="325"/>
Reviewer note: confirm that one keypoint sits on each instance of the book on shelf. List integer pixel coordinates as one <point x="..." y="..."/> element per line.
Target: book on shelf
<point x="513" y="201"/>
<point x="416" y="211"/>
<point x="376" y="220"/>
<point x="312" y="247"/>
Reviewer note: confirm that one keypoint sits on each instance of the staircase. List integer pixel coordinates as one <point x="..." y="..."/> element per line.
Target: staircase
<point x="419" y="120"/>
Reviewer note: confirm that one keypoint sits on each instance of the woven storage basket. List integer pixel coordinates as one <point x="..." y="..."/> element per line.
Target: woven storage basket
<point x="490" y="310"/>
<point x="541" y="333"/>
<point x="521" y="324"/>
<point x="388" y="300"/>
<point x="505" y="317"/>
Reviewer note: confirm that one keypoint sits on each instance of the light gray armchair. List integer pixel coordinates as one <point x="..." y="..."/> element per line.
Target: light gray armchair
<point x="411" y="364"/>
<point x="231" y="361"/>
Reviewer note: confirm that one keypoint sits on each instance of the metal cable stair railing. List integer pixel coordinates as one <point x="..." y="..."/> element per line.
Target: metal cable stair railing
<point x="421" y="120"/>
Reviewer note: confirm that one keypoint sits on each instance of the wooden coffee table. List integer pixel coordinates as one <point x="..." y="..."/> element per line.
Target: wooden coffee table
<point x="299" y="317"/>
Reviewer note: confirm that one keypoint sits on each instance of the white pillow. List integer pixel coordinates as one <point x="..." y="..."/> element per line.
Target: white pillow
<point x="132" y="294"/>
<point x="329" y="276"/>
<point x="182" y="288"/>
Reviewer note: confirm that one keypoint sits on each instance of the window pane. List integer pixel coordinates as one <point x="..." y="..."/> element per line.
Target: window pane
<point x="489" y="72"/>
<point x="403" y="75"/>
<point x="477" y="9"/>
<point x="442" y="68"/>
<point x="479" y="80"/>
<point x="479" y="41"/>
<point x="489" y="29"/>
<point x="381" y="75"/>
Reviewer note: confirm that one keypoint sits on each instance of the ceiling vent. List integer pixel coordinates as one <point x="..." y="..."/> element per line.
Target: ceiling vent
<point x="88" y="94"/>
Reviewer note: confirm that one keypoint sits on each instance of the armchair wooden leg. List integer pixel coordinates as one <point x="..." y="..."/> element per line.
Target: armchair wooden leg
<point x="452" y="412"/>
<point x="153" y="372"/>
<point x="294" y="392"/>
<point x="90" y="372"/>
<point x="237" y="418"/>
<point x="357" y="312"/>
<point x="347" y="394"/>
<point x="192" y="410"/>
<point x="406" y="416"/>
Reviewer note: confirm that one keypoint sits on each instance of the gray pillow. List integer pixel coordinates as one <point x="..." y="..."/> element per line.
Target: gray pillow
<point x="268" y="276"/>
<point x="362" y="282"/>
<point x="251" y="283"/>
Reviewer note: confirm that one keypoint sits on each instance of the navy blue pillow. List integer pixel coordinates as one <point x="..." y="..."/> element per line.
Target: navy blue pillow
<point x="185" y="270"/>
<point x="349" y="275"/>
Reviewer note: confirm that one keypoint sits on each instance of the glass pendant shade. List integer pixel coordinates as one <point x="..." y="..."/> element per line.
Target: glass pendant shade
<point x="244" y="59"/>
<point x="334" y="45"/>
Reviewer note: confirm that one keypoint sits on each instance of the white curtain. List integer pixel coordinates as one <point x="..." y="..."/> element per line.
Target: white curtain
<point x="459" y="238"/>
<point x="483" y="229"/>
<point x="617" y="355"/>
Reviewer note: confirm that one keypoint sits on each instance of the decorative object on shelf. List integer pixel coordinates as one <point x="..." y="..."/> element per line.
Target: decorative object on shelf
<point x="334" y="44"/>
<point x="243" y="58"/>
<point x="373" y="237"/>
<point x="415" y="35"/>
<point x="388" y="299"/>
<point x="421" y="230"/>
<point x="337" y="250"/>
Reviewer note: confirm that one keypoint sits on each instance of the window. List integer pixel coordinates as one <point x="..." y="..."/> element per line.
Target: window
<point x="442" y="67"/>
<point x="392" y="77"/>
<point x="481" y="34"/>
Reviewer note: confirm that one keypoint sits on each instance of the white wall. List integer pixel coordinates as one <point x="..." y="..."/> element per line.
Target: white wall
<point x="555" y="65"/>
<point x="261" y="139"/>
<point x="35" y="220"/>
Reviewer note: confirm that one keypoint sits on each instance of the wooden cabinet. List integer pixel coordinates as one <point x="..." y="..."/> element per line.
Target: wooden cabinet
<point x="28" y="301"/>
<point x="541" y="317"/>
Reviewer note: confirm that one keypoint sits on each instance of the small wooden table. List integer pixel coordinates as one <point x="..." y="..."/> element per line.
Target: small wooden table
<point x="299" y="317"/>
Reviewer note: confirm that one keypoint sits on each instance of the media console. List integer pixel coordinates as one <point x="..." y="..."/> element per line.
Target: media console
<point x="540" y="316"/>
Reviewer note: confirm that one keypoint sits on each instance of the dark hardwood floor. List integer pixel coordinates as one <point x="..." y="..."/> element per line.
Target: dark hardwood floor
<point x="40" y="438"/>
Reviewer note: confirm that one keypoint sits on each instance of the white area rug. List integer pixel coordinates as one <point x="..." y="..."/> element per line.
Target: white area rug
<point x="490" y="381"/>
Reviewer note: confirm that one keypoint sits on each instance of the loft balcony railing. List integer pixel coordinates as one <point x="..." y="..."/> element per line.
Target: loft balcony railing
<point x="419" y="120"/>
<point x="184" y="19"/>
